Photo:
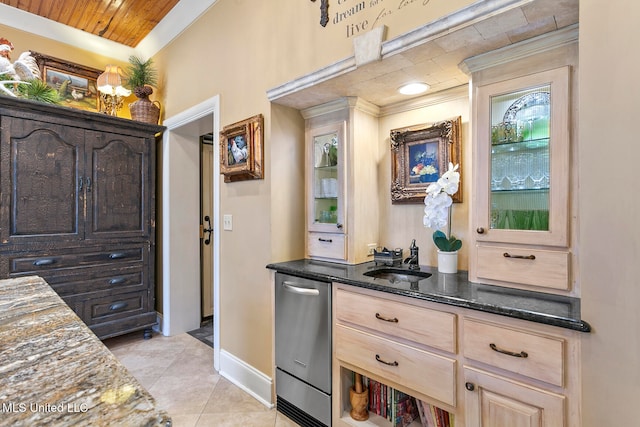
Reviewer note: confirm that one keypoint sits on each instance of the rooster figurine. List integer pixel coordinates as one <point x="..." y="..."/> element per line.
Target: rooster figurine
<point x="25" y="68"/>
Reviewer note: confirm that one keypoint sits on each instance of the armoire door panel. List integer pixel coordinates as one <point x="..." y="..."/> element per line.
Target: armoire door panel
<point x="119" y="194"/>
<point x="45" y="164"/>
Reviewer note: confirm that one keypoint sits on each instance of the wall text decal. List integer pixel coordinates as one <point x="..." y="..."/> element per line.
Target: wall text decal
<point x="359" y="16"/>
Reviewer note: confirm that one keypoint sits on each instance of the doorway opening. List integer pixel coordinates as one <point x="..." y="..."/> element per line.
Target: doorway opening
<point x="181" y="266"/>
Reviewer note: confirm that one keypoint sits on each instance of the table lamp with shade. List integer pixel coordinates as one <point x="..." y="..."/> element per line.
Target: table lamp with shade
<point x="111" y="90"/>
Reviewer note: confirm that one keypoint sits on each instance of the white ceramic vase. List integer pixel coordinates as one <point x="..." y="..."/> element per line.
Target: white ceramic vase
<point x="447" y="262"/>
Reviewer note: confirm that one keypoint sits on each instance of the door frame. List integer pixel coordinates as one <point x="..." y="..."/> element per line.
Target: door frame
<point x="180" y="271"/>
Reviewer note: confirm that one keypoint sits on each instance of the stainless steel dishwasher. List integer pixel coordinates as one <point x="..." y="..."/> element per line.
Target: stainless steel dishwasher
<point x="303" y="349"/>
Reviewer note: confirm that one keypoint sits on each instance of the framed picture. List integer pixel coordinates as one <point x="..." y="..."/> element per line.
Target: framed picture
<point x="242" y="150"/>
<point x="76" y="84"/>
<point x="420" y="155"/>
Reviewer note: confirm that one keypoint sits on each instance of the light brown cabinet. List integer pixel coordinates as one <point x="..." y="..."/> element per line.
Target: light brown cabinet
<point x="521" y="184"/>
<point x="484" y="369"/>
<point x="341" y="148"/>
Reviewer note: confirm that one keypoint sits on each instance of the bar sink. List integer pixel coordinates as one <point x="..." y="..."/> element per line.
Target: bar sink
<point x="395" y="275"/>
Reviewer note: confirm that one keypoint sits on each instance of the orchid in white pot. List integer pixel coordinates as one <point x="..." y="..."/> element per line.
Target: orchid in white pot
<point x="437" y="211"/>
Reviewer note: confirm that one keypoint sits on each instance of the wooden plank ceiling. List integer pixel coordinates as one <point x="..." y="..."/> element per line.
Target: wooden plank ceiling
<point x="123" y="21"/>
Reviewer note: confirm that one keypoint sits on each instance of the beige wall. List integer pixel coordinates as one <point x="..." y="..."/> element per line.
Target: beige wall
<point x="399" y="224"/>
<point x="609" y="211"/>
<point x="241" y="48"/>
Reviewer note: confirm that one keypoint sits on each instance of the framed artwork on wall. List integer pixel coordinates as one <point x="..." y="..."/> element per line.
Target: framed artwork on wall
<point x="420" y="155"/>
<point x="242" y="150"/>
<point x="76" y="84"/>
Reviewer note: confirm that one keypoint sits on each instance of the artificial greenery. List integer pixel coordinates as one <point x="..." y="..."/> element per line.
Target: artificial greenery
<point x="451" y="244"/>
<point x="34" y="89"/>
<point x="140" y="74"/>
<point x="37" y="90"/>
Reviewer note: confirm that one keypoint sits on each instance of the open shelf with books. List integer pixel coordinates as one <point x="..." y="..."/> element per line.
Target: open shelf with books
<point x="388" y="406"/>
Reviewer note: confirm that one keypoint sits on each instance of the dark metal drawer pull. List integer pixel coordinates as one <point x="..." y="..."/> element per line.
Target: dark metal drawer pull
<point x="117" y="255"/>
<point x="325" y="240"/>
<point x="508" y="255"/>
<point x="117" y="306"/>
<point x="394" y="363"/>
<point x="387" y="319"/>
<point x="44" y="261"/>
<point x="522" y="354"/>
<point x="117" y="280"/>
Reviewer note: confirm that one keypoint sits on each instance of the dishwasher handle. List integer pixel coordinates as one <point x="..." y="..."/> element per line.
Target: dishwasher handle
<point x="292" y="287"/>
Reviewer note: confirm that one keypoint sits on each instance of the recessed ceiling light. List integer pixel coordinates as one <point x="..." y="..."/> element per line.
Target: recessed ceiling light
<point x="413" y="88"/>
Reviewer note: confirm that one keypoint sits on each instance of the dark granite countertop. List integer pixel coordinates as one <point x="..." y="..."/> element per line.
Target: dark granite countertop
<point x="451" y="289"/>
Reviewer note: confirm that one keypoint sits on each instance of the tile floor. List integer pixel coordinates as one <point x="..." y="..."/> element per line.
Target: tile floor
<point x="178" y="372"/>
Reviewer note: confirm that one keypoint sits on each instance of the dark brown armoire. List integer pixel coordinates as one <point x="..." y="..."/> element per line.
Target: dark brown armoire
<point x="77" y="207"/>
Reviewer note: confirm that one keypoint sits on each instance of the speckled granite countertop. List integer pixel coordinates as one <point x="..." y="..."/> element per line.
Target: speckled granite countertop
<point x="451" y="289"/>
<point x="55" y="372"/>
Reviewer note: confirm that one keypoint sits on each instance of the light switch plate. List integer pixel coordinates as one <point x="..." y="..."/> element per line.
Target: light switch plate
<point x="227" y="222"/>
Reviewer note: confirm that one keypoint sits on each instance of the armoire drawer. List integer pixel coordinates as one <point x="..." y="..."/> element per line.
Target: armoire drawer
<point x="535" y="267"/>
<point x="76" y="281"/>
<point x="523" y="352"/>
<point x="397" y="319"/>
<point x="398" y="363"/>
<point x="68" y="258"/>
<point x="112" y="307"/>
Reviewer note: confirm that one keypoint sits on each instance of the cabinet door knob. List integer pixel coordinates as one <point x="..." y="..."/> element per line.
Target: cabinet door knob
<point x="480" y="230"/>
<point x="469" y="386"/>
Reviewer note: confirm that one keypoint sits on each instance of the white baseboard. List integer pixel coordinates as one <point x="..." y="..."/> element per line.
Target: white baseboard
<point x="246" y="377"/>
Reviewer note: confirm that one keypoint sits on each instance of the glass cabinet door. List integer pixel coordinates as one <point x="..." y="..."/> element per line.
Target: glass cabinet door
<point x="326" y="181"/>
<point x="519" y="169"/>
<point x="523" y="154"/>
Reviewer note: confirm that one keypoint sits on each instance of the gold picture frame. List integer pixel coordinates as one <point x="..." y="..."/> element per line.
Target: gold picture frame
<point x="242" y="150"/>
<point x="76" y="84"/>
<point x="420" y="155"/>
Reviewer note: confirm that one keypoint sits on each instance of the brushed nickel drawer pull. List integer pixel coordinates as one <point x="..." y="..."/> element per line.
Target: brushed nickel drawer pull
<point x="117" y="280"/>
<point x="300" y="290"/>
<point x="43" y="262"/>
<point x="325" y="240"/>
<point x="117" y="255"/>
<point x="508" y="255"/>
<point x="522" y="354"/>
<point x="117" y="306"/>
<point x="386" y="319"/>
<point x="379" y="359"/>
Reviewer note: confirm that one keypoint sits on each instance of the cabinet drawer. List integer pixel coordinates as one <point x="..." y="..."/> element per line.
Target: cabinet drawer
<point x="398" y="319"/>
<point x="112" y="307"/>
<point x="76" y="281"/>
<point x="67" y="258"/>
<point x="536" y="356"/>
<point x="549" y="269"/>
<point x="419" y="370"/>
<point x="327" y="245"/>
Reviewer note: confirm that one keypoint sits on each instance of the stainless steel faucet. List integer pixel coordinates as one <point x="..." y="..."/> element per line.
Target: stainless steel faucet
<point x="413" y="261"/>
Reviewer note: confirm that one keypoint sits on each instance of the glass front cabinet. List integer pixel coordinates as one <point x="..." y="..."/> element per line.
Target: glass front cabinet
<point x="521" y="180"/>
<point x="341" y="149"/>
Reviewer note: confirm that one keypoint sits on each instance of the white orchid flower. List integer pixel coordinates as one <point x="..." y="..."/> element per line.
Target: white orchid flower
<point x="450" y="180"/>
